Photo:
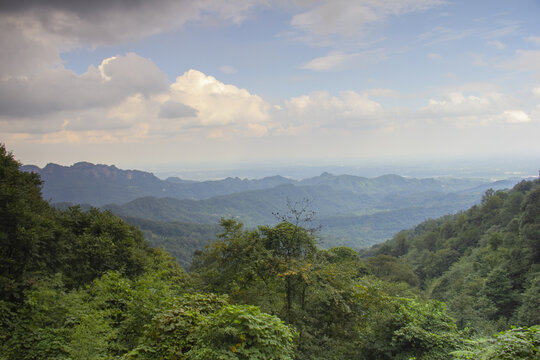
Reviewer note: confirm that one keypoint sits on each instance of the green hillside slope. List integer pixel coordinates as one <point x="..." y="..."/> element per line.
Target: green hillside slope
<point x="483" y="262"/>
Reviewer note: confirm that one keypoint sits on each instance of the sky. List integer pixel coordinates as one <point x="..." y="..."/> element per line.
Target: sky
<point x="168" y="84"/>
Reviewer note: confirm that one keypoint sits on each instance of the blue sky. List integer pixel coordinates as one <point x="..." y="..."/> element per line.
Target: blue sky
<point x="185" y="83"/>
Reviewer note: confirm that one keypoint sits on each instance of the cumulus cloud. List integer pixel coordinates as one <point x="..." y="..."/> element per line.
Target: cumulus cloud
<point x="470" y="110"/>
<point x="195" y="103"/>
<point x="456" y="104"/>
<point x="515" y="116"/>
<point x="217" y="103"/>
<point x="58" y="89"/>
<point x="322" y="109"/>
<point x="33" y="79"/>
<point x="173" y="109"/>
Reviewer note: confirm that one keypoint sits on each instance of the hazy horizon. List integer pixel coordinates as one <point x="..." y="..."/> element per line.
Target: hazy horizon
<point x="486" y="168"/>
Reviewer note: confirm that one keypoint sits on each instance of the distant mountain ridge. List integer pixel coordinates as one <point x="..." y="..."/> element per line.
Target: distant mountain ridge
<point x="98" y="184"/>
<point x="353" y="210"/>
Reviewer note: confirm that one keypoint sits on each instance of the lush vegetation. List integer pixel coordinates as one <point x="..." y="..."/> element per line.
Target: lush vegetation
<point x="179" y="239"/>
<point x="484" y="263"/>
<point x="85" y="285"/>
<point x="356" y="219"/>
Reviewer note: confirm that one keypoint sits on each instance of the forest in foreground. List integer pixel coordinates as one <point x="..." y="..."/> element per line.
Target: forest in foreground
<point x="80" y="284"/>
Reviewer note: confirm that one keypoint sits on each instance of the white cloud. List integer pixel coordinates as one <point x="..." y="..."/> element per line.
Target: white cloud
<point x="338" y="59"/>
<point x="195" y="103"/>
<point x="330" y="61"/>
<point x="536" y="91"/>
<point x="441" y="34"/>
<point x="533" y="39"/>
<point x="322" y="109"/>
<point x="228" y="69"/>
<point x="434" y="56"/>
<point x="457" y="104"/>
<point x="525" y="60"/>
<point x="387" y="93"/>
<point x="496" y="44"/>
<point x="217" y="103"/>
<point x="466" y="110"/>
<point x="58" y="89"/>
<point x="515" y="116"/>
<point x="33" y="79"/>
<point x="341" y="17"/>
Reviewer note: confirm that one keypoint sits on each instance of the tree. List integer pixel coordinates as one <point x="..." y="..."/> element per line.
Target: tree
<point x="27" y="230"/>
<point x="242" y="332"/>
<point x="530" y="224"/>
<point x="498" y="289"/>
<point x="516" y="343"/>
<point x="205" y="327"/>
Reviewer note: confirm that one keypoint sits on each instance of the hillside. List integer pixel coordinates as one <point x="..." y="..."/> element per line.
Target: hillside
<point x="179" y="239"/>
<point x="351" y="211"/>
<point x="483" y="262"/>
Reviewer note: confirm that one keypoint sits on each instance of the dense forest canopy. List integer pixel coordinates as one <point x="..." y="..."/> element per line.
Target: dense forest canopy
<point x="484" y="262"/>
<point x="85" y="285"/>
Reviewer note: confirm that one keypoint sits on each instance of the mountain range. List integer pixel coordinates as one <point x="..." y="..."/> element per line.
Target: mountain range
<point x="351" y="210"/>
<point x="97" y="185"/>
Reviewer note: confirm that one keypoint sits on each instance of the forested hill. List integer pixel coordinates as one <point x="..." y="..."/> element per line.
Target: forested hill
<point x="85" y="285"/>
<point x="483" y="262"/>
<point x="352" y="211"/>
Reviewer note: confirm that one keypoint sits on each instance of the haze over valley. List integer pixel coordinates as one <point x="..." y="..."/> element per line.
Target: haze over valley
<point x="349" y="210"/>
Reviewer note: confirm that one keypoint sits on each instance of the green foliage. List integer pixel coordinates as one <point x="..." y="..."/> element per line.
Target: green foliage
<point x="516" y="343"/>
<point x="96" y="242"/>
<point x="204" y="326"/>
<point x="338" y="312"/>
<point x="26" y="229"/>
<point x="482" y="262"/>
<point x="390" y="268"/>
<point x="85" y="285"/>
<point x="179" y="239"/>
<point x="171" y="333"/>
<point x="242" y="332"/>
<point x="529" y="311"/>
<point x="405" y="328"/>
